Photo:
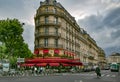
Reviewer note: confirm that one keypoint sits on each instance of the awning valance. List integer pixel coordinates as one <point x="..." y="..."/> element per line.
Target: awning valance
<point x="51" y="60"/>
<point x="41" y="64"/>
<point x="25" y="64"/>
<point x="36" y="51"/>
<point x="45" y="51"/>
<point x="54" y="64"/>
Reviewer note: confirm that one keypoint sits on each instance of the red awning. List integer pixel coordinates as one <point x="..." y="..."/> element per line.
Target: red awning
<point x="54" y="64"/>
<point x="45" y="51"/>
<point x="73" y="54"/>
<point x="39" y="60"/>
<point x="76" y="63"/>
<point x="56" y="51"/>
<point x="41" y="64"/>
<point x="36" y="52"/>
<point x="65" y="64"/>
<point x="27" y="64"/>
<point x="66" y="52"/>
<point x="51" y="60"/>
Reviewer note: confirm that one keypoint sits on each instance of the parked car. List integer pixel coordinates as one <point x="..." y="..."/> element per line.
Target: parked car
<point x="106" y="67"/>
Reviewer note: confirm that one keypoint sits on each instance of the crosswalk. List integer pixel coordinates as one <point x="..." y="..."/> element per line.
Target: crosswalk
<point x="94" y="74"/>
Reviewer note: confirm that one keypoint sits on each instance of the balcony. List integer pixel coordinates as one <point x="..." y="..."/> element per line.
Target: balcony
<point x="48" y="23"/>
<point x="49" y="12"/>
<point x="50" y="34"/>
<point x="91" y="57"/>
<point x="49" y="46"/>
<point x="52" y="12"/>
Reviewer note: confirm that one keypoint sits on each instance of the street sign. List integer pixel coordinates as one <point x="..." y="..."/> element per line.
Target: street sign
<point x="19" y="60"/>
<point x="6" y="67"/>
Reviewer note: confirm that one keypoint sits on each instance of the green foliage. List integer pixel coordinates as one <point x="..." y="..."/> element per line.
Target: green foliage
<point x="11" y="35"/>
<point x="13" y="61"/>
<point x="39" y="55"/>
<point x="64" y="56"/>
<point x="47" y="55"/>
<point x="56" y="55"/>
<point x="3" y="54"/>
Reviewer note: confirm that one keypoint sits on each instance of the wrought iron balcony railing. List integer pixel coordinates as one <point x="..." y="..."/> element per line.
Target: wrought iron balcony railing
<point x="46" y="23"/>
<point x="49" y="46"/>
<point x="53" y="34"/>
<point x="49" y="12"/>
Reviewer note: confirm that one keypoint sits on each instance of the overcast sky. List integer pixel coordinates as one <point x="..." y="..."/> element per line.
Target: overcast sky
<point x="100" y="18"/>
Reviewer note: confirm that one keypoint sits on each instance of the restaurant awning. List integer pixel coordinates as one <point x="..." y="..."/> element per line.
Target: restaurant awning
<point x="45" y="51"/>
<point x="41" y="64"/>
<point x="76" y="63"/>
<point x="36" y="51"/>
<point x="39" y="60"/>
<point x="56" y="51"/>
<point x="54" y="64"/>
<point x="65" y="64"/>
<point x="25" y="64"/>
<point x="50" y="60"/>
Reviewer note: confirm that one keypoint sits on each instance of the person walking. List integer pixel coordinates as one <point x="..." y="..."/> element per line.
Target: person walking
<point x="98" y="72"/>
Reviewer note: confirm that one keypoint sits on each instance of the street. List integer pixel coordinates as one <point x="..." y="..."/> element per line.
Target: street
<point x="107" y="76"/>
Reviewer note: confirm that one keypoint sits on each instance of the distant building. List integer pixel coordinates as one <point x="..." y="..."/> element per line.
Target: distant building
<point x="114" y="57"/>
<point x="102" y="58"/>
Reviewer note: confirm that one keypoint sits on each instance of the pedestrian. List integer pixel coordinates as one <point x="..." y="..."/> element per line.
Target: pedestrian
<point x="40" y="70"/>
<point x="35" y="71"/>
<point x="98" y="72"/>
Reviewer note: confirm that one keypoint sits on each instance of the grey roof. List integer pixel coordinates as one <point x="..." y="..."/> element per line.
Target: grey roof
<point x="115" y="54"/>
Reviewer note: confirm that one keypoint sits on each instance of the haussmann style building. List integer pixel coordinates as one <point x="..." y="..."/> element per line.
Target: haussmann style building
<point x="60" y="41"/>
<point x="113" y="58"/>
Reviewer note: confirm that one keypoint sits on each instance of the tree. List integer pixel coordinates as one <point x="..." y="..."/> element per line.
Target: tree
<point x="11" y="35"/>
<point x="2" y="51"/>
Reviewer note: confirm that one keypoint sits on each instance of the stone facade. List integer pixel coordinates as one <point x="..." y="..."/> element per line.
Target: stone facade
<point x="57" y="32"/>
<point x="115" y="57"/>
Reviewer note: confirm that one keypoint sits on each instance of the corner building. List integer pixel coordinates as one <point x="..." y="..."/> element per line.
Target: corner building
<point x="56" y="31"/>
<point x="58" y="35"/>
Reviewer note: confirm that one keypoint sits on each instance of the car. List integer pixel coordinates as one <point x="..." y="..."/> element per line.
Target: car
<point x="106" y="68"/>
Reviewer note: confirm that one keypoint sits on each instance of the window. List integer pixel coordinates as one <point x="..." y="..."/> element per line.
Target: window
<point x="56" y="30"/>
<point x="47" y="1"/>
<point x="37" y="31"/>
<point x="38" y="41"/>
<point x="46" y="30"/>
<point x="56" y="20"/>
<point x="55" y="10"/>
<point x="37" y="22"/>
<point x="46" y="20"/>
<point x="46" y="9"/>
<point x="56" y="42"/>
<point x="46" y="42"/>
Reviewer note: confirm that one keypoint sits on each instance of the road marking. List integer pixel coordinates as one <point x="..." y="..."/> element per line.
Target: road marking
<point x="94" y="74"/>
<point x="78" y="81"/>
<point x="107" y="75"/>
<point x="113" y="76"/>
<point x="81" y="81"/>
<point x="91" y="74"/>
<point x="103" y="75"/>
